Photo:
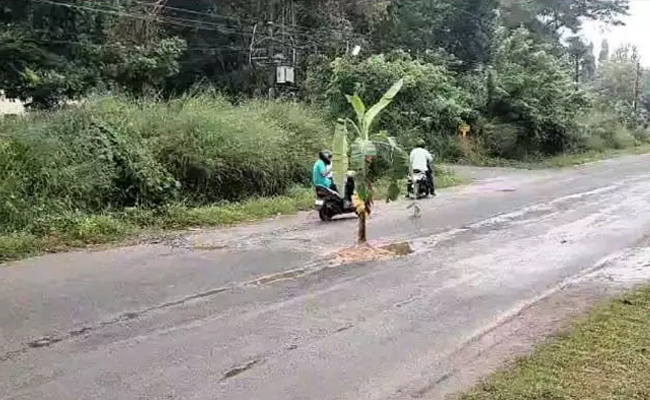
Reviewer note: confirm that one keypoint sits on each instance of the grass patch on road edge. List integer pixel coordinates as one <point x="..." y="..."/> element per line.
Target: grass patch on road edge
<point x="605" y="356"/>
<point x="62" y="233"/>
<point x="563" y="160"/>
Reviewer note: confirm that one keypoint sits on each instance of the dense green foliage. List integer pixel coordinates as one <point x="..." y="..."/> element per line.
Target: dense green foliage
<point x="533" y="93"/>
<point x="464" y="28"/>
<point x="501" y="66"/>
<point x="116" y="153"/>
<point x="64" y="48"/>
<point x="55" y="51"/>
<point x="430" y="102"/>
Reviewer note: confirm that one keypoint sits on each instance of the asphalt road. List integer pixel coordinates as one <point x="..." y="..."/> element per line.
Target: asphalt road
<point x="259" y="312"/>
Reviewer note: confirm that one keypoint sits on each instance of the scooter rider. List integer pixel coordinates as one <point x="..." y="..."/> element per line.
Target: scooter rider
<point x="322" y="171"/>
<point x="322" y="175"/>
<point x="422" y="161"/>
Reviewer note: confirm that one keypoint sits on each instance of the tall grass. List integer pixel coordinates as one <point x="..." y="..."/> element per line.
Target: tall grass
<point x="114" y="153"/>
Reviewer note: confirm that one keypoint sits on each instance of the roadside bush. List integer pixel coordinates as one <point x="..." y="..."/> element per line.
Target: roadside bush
<point x="501" y="139"/>
<point x="641" y="135"/>
<point x="601" y="130"/>
<point x="113" y="153"/>
<point x="531" y="91"/>
<point x="431" y="104"/>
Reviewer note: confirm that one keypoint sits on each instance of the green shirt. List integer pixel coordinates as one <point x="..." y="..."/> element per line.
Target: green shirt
<point x="317" y="177"/>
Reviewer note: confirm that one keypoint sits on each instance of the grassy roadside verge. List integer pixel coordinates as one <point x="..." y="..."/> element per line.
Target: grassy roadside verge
<point x="563" y="160"/>
<point x="78" y="231"/>
<point x="604" y="357"/>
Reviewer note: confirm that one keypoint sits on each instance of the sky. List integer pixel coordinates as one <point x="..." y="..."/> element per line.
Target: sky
<point x="636" y="31"/>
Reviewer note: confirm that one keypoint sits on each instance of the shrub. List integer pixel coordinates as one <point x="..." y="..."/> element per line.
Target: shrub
<point x="641" y="134"/>
<point x="599" y="130"/>
<point x="530" y="89"/>
<point x="622" y="139"/>
<point x="501" y="139"/>
<point x="431" y="104"/>
<point x="114" y="153"/>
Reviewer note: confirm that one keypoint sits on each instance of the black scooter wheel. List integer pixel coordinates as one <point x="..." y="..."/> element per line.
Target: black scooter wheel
<point x="324" y="214"/>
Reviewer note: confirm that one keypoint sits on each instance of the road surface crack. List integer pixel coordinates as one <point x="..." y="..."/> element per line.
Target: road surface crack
<point x="44" y="342"/>
<point x="241" y="369"/>
<point x="344" y="328"/>
<point x="47" y="341"/>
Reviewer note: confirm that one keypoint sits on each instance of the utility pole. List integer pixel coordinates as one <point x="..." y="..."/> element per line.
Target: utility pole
<point x="637" y="91"/>
<point x="271" y="48"/>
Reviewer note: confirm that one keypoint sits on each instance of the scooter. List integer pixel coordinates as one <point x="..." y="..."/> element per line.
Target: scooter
<point x="417" y="184"/>
<point x="329" y="203"/>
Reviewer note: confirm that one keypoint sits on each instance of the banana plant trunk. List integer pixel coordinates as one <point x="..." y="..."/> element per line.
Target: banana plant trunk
<point x="361" y="235"/>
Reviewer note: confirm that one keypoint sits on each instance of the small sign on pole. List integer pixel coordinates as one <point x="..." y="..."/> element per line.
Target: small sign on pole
<point x="280" y="75"/>
<point x="284" y="74"/>
<point x="464" y="130"/>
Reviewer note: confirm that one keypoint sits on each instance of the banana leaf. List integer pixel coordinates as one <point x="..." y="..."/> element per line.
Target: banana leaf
<point x="340" y="160"/>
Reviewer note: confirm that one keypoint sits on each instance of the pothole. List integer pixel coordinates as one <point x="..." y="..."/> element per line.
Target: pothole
<point x="367" y="253"/>
<point x="44" y="342"/>
<point x="399" y="249"/>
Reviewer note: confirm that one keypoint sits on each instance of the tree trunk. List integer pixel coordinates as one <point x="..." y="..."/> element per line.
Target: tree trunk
<point x="361" y="238"/>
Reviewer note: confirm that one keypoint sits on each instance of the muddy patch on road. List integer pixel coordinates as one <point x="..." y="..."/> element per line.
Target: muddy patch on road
<point x="367" y="253"/>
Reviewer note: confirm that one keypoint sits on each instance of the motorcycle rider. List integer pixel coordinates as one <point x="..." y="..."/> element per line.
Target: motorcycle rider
<point x="322" y="176"/>
<point x="422" y="161"/>
<point x="322" y="171"/>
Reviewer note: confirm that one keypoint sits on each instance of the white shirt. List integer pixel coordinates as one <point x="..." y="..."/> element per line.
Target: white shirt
<point x="420" y="159"/>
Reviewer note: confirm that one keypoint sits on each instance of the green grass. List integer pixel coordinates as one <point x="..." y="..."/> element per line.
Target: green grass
<point x="604" y="357"/>
<point x="563" y="160"/>
<point x="569" y="160"/>
<point x="78" y="231"/>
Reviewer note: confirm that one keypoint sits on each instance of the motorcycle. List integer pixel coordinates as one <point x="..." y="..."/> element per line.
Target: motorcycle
<point x="329" y="203"/>
<point x="417" y="185"/>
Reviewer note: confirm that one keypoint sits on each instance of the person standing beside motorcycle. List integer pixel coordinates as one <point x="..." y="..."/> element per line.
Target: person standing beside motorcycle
<point x="422" y="160"/>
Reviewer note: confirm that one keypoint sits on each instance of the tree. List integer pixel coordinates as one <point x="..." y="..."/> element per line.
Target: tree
<point x="365" y="147"/>
<point x="616" y="78"/>
<point x="431" y="105"/>
<point x="550" y="17"/>
<point x="645" y="91"/>
<point x="603" y="56"/>
<point x="533" y="93"/>
<point x="463" y="28"/>
<point x="588" y="64"/>
<point x="141" y="70"/>
<point x="47" y="51"/>
<point x="582" y="59"/>
<point x="60" y="51"/>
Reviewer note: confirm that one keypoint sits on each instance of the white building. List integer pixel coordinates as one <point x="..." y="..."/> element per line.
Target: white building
<point x="8" y="106"/>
